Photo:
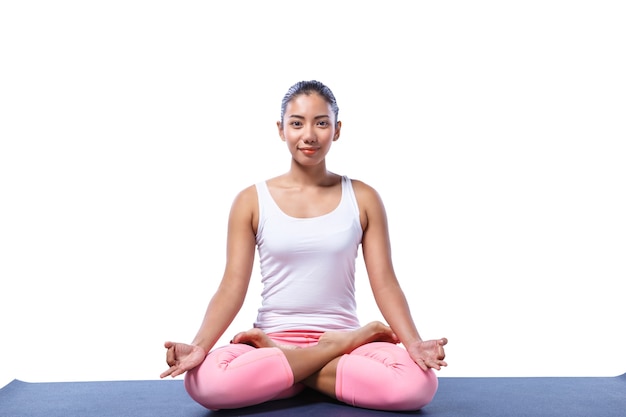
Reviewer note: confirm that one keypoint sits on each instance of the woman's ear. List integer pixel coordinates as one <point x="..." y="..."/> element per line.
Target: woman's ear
<point x="279" y="125"/>
<point x="337" y="131"/>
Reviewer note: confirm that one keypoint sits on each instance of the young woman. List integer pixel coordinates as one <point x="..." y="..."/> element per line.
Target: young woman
<point x="307" y="225"/>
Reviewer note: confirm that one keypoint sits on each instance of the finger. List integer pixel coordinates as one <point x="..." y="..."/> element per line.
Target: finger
<point x="443" y="341"/>
<point x="422" y="364"/>
<point x="436" y="364"/>
<point x="166" y="373"/>
<point x="170" y="357"/>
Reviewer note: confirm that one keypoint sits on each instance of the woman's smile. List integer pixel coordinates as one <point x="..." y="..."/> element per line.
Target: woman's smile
<point x="309" y="150"/>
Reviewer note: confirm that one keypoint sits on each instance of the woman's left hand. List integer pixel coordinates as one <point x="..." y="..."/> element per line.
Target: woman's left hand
<point x="428" y="354"/>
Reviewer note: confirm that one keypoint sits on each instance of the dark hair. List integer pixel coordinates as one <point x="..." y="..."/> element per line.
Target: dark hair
<point x="308" y="88"/>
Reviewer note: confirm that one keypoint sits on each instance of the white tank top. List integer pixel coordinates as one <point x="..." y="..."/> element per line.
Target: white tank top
<point x="308" y="265"/>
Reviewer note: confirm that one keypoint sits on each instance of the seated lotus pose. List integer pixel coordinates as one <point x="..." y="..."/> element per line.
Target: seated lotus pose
<point x="307" y="225"/>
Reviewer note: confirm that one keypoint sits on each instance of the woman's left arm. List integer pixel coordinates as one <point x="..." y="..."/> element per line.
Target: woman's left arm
<point x="388" y="294"/>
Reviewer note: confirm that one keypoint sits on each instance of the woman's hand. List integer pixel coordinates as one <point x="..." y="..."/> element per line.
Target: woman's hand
<point x="182" y="357"/>
<point x="429" y="354"/>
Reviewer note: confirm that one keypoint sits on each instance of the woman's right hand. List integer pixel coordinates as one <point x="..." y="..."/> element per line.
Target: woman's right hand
<point x="182" y="357"/>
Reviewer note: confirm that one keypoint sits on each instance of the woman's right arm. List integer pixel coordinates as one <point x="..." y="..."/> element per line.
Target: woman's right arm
<point x="231" y="293"/>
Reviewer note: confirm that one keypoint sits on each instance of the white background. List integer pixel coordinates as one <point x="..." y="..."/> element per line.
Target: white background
<point x="494" y="131"/>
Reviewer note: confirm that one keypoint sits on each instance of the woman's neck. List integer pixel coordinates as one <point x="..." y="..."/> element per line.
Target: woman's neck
<point x="305" y="176"/>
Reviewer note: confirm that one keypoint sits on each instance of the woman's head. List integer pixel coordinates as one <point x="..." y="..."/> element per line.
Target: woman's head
<point x="308" y="88"/>
<point x="308" y="123"/>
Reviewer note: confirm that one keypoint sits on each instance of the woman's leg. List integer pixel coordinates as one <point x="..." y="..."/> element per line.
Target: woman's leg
<point x="380" y="376"/>
<point x="255" y="369"/>
<point x="306" y="361"/>
<point x="239" y="375"/>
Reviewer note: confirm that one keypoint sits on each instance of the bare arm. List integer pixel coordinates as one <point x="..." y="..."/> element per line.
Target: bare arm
<point x="388" y="294"/>
<point x="231" y="293"/>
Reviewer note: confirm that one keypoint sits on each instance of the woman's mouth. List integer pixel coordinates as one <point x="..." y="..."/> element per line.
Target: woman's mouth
<point x="308" y="151"/>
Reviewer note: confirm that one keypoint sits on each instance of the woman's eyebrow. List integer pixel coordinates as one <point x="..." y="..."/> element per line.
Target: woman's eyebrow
<point x="297" y="116"/>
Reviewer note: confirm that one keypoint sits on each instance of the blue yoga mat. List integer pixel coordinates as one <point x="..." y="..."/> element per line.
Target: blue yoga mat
<point x="456" y="397"/>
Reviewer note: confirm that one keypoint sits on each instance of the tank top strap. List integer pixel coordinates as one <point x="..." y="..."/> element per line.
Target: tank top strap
<point x="347" y="195"/>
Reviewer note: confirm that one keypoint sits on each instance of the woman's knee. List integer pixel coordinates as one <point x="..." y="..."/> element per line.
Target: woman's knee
<point x="227" y="379"/>
<point x="412" y="393"/>
<point x="209" y="384"/>
<point x="403" y="384"/>
<point x="396" y="383"/>
<point x="205" y="391"/>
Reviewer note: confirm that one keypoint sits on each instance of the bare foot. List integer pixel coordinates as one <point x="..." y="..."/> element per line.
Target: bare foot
<point x="258" y="339"/>
<point x="371" y="332"/>
<point x="254" y="337"/>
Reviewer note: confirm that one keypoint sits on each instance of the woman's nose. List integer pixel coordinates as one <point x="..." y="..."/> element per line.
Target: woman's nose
<point x="308" y="135"/>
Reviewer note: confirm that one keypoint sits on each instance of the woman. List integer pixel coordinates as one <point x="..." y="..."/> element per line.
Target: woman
<point x="307" y="225"/>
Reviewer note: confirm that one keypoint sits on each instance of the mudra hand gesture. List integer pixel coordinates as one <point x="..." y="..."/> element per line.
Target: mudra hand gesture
<point x="182" y="357"/>
<point x="429" y="354"/>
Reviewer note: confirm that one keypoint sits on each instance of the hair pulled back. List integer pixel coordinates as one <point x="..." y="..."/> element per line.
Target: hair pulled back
<point x="308" y="88"/>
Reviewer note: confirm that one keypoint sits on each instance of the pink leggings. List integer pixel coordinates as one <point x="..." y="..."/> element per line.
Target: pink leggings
<point x="377" y="375"/>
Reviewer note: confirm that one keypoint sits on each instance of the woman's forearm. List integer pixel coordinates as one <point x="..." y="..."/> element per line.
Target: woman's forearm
<point x="221" y="311"/>
<point x="395" y="309"/>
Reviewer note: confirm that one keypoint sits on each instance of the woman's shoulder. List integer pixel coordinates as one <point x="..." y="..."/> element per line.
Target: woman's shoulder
<point x="368" y="200"/>
<point x="363" y="190"/>
<point x="245" y="208"/>
<point x="246" y="197"/>
<point x="370" y="204"/>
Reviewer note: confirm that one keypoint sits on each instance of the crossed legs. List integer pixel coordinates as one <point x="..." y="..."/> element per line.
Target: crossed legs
<point x="364" y="367"/>
<point x="316" y="366"/>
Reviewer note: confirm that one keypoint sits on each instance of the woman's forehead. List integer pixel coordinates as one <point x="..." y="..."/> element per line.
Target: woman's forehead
<point x="304" y="103"/>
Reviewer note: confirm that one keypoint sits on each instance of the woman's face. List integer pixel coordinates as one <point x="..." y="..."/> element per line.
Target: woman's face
<point x="309" y="128"/>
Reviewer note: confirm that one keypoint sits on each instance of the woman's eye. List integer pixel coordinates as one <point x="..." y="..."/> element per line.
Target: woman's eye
<point x="296" y="123"/>
<point x="323" y="123"/>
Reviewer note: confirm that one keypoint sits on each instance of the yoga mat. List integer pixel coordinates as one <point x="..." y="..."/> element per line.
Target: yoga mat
<point x="456" y="397"/>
